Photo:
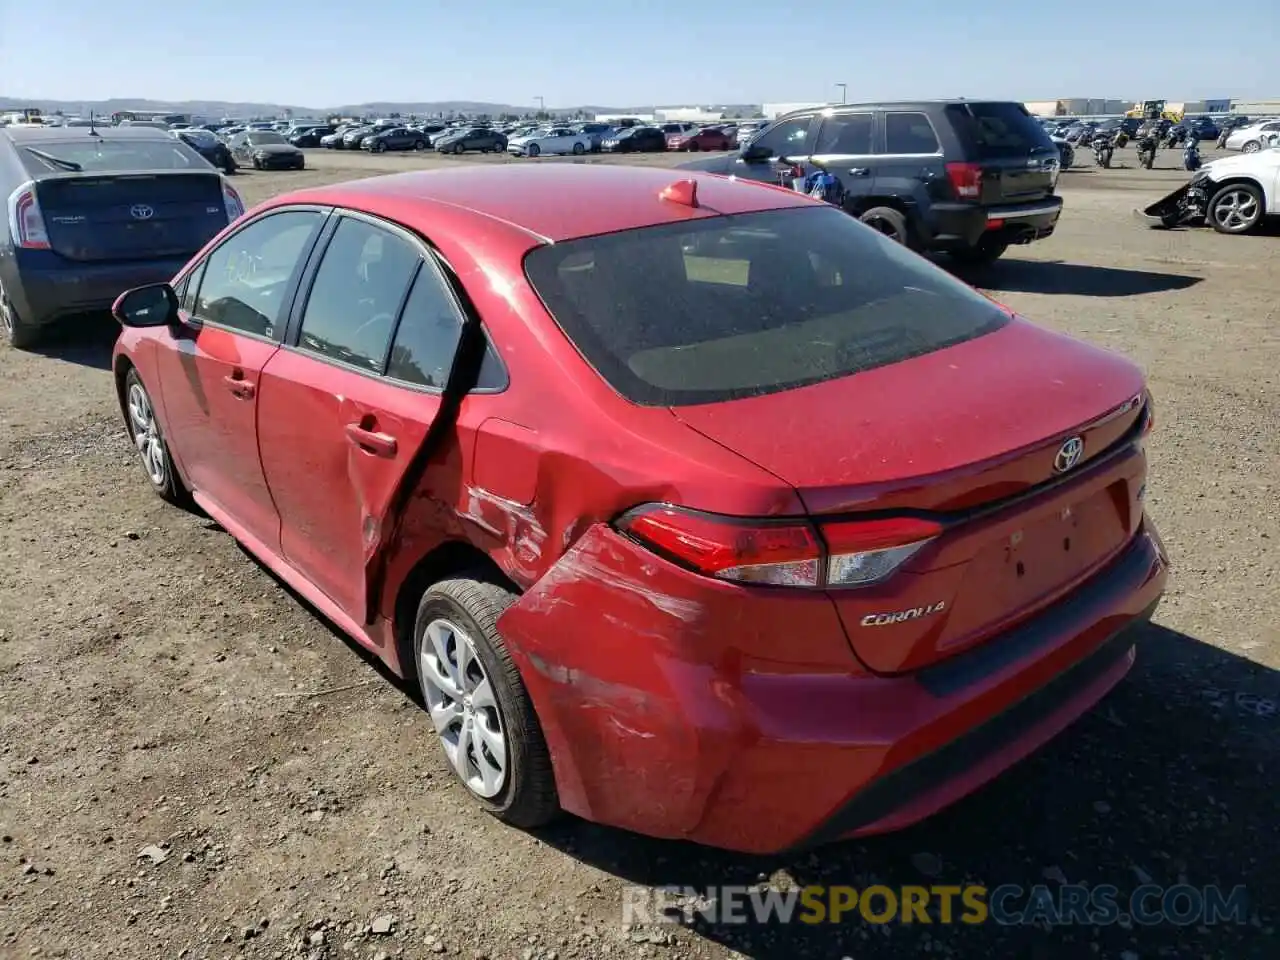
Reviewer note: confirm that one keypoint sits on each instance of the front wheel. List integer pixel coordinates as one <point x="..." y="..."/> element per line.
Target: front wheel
<point x="379" y="147"/>
<point x="1253" y="146"/>
<point x="1236" y="208"/>
<point x="459" y="149"/>
<point x="534" y="150"/>
<point x="144" y="431"/>
<point x="579" y="149"/>
<point x="482" y="714"/>
<point x="419" y="144"/>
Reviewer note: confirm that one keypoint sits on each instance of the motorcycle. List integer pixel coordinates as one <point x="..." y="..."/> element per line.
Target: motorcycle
<point x="1191" y="154"/>
<point x="1103" y="147"/>
<point x="1147" y="151"/>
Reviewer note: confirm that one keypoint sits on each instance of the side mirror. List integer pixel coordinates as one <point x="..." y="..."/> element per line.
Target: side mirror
<point x="155" y="305"/>
<point x="753" y="153"/>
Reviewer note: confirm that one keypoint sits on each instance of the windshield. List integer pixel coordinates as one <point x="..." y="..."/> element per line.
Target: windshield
<point x="260" y="138"/>
<point x="200" y="136"/>
<point x="103" y="155"/>
<point x="741" y="306"/>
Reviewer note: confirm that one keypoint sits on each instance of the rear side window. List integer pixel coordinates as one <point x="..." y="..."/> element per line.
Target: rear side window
<point x="752" y="304"/>
<point x="848" y="133"/>
<point x="909" y="133"/>
<point x="356" y="297"/>
<point x="998" y="129"/>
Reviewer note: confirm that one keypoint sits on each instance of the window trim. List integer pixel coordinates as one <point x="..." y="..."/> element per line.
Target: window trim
<point x="884" y="135"/>
<point x="195" y="321"/>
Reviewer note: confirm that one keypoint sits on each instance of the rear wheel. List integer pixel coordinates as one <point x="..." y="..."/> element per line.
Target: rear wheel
<point x="482" y="714"/>
<point x="1253" y="146"/>
<point x="16" y="332"/>
<point x="892" y="223"/>
<point x="1236" y="208"/>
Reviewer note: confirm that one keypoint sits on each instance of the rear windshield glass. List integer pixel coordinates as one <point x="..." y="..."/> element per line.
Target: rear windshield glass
<point x="93" y="155"/>
<point x="745" y="305"/>
<point x="999" y="129"/>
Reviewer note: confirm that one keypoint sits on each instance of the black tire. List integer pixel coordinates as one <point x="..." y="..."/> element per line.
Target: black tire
<point x="693" y="147"/>
<point x="534" y="150"/>
<point x="419" y="144"/>
<point x="379" y="146"/>
<point x="459" y="149"/>
<point x="170" y="487"/>
<point x="579" y="149"/>
<point x="257" y="164"/>
<point x="1253" y="146"/>
<point x="984" y="252"/>
<point x="15" y="331"/>
<point x="1247" y="196"/>
<point x="528" y="798"/>
<point x="889" y="221"/>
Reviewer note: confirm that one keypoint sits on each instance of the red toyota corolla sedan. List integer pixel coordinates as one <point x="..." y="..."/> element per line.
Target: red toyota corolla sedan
<point x="694" y="507"/>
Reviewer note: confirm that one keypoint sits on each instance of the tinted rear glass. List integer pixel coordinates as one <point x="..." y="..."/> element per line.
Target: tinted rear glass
<point x="110" y="156"/>
<point x="998" y="129"/>
<point x="740" y="306"/>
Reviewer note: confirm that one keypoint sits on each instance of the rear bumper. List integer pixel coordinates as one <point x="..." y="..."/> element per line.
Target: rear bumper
<point x="46" y="287"/>
<point x="960" y="225"/>
<point x="673" y="712"/>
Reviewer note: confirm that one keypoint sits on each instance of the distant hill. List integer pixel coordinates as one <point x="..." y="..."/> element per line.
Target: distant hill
<point x="214" y="109"/>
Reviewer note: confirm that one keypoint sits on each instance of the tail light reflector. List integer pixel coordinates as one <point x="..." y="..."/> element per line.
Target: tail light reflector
<point x="966" y="180"/>
<point x="791" y="552"/>
<point x="26" y="222"/>
<point x="231" y="200"/>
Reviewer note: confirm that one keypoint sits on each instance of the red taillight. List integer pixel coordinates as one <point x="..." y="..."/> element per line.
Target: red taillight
<point x="231" y="202"/>
<point x="780" y="552"/>
<point x="866" y="551"/>
<point x="995" y="224"/>
<point x="26" y="223"/>
<point x="752" y="551"/>
<point x="966" y="180"/>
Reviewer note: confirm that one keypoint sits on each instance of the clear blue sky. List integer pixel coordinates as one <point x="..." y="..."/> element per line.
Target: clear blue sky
<point x="322" y="53"/>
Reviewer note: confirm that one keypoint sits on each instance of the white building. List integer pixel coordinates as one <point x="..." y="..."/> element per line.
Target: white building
<point x="615" y="117"/>
<point x="771" y="110"/>
<point x="687" y="115"/>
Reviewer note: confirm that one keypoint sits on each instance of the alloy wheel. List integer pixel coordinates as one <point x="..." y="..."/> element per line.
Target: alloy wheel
<point x="146" y="435"/>
<point x="463" y="708"/>
<point x="1235" y="210"/>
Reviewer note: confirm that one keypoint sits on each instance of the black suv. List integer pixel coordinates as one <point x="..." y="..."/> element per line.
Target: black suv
<point x="966" y="177"/>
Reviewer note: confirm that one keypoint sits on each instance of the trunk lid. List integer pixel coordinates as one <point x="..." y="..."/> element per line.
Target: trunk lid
<point x="140" y="216"/>
<point x="969" y="433"/>
<point x="1018" y="159"/>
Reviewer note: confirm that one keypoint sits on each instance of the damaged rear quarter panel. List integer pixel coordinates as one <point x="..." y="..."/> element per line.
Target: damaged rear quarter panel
<point x="635" y="667"/>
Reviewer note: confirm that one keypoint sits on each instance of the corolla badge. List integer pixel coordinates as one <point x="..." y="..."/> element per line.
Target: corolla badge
<point x="1069" y="455"/>
<point x="140" y="211"/>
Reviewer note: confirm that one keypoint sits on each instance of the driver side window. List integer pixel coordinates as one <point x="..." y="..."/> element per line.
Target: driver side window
<point x="784" y="139"/>
<point x="358" y="290"/>
<point x="245" y="280"/>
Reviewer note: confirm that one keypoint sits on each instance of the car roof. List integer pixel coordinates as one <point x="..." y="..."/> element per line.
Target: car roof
<point x="554" y="201"/>
<point x="34" y="134"/>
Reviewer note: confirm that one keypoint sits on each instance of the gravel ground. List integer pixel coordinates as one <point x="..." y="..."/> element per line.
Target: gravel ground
<point x="193" y="764"/>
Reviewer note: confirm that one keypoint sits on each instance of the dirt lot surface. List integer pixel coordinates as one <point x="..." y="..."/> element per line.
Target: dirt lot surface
<point x="192" y="764"/>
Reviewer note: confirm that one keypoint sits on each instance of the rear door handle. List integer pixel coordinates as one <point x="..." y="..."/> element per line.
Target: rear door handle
<point x="238" y="385"/>
<point x="379" y="444"/>
<point x="859" y="171"/>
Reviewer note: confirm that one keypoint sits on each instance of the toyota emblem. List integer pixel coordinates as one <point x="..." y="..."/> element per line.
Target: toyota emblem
<point x="140" y="211"/>
<point x="1069" y="455"/>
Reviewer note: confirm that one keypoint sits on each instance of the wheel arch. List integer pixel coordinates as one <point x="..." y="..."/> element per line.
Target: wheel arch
<point x="442" y="562"/>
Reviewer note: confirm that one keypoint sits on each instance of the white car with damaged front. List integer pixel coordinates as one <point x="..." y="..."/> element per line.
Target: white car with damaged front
<point x="554" y="140"/>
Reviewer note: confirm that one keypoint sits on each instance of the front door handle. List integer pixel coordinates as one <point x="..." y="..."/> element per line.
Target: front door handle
<point x="238" y="385"/>
<point x="859" y="171"/>
<point x="379" y="444"/>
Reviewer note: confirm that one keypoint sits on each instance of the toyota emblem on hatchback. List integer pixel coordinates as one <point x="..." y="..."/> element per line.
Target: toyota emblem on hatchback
<point x="140" y="211"/>
<point x="1069" y="455"/>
